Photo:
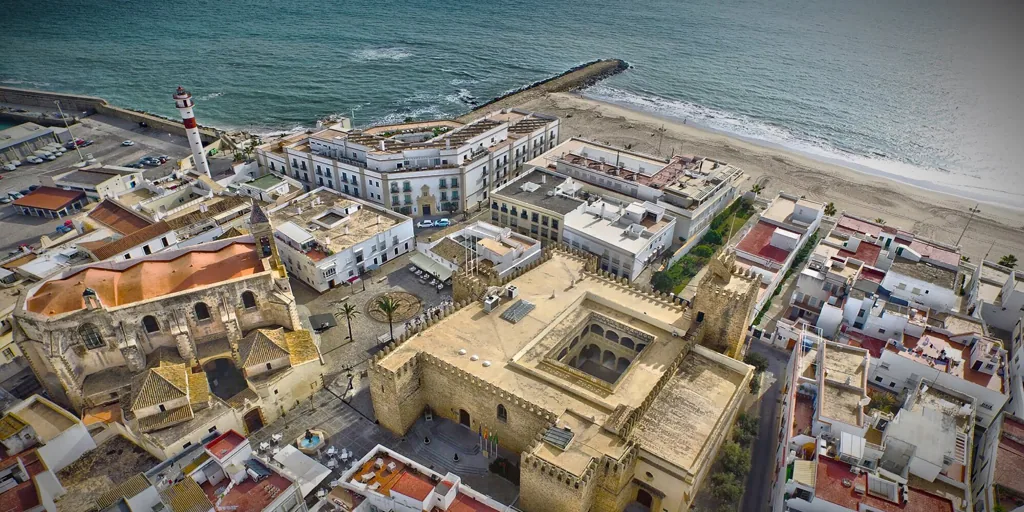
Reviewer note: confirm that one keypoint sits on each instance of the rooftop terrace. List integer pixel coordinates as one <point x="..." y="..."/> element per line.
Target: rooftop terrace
<point x="334" y="221"/>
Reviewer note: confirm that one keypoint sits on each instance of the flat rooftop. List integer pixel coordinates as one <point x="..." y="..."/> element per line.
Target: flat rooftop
<point x="118" y="283"/>
<point x="926" y="272"/>
<point x="266" y="182"/>
<point x="337" y="219"/>
<point x="48" y="421"/>
<point x="93" y="474"/>
<point x="835" y="483"/>
<point x="95" y="175"/>
<point x="537" y="194"/>
<point x="612" y="227"/>
<point x="518" y="357"/>
<point x="50" y="198"/>
<point x="758" y="240"/>
<point x="928" y="348"/>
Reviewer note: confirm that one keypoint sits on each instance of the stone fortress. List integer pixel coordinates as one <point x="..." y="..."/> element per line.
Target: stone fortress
<point x="184" y="340"/>
<point x="600" y="387"/>
<point x="731" y="294"/>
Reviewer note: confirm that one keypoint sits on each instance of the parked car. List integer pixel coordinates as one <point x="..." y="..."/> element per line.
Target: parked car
<point x="9" y="167"/>
<point x="443" y="223"/>
<point x="63" y="229"/>
<point x="16" y="163"/>
<point x="25" y="192"/>
<point x="128" y="143"/>
<point x="32" y="187"/>
<point x="15" y="195"/>
<point x="5" y="200"/>
<point x="49" y="157"/>
<point x="425" y="223"/>
<point x="87" y="143"/>
<point x="34" y="160"/>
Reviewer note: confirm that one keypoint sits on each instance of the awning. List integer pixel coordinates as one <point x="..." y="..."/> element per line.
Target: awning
<point x="304" y="470"/>
<point x="430" y="266"/>
<point x="322" y="321"/>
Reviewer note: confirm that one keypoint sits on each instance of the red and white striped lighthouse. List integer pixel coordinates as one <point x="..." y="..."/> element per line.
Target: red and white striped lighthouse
<point x="183" y="100"/>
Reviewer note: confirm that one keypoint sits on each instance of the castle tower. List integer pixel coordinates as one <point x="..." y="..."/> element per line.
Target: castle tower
<point x="183" y="100"/>
<point x="263" y="233"/>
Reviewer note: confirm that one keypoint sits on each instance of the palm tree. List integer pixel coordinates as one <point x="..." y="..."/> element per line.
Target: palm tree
<point x="1008" y="261"/>
<point x="389" y="306"/>
<point x="757" y="188"/>
<point x="830" y="209"/>
<point x="879" y="221"/>
<point x="349" y="312"/>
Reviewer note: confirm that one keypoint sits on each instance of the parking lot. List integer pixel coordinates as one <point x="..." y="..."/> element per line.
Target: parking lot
<point x="107" y="134"/>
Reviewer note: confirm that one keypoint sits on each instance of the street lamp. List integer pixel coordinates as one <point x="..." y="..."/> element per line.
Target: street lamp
<point x="973" y="211"/>
<point x="66" y="125"/>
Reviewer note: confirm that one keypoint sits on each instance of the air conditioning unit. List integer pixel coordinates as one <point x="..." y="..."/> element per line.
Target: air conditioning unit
<point x="512" y="291"/>
<point x="491" y="303"/>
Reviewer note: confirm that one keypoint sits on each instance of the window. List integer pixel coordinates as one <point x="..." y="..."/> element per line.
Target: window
<point x="162" y="408"/>
<point x="554" y="223"/>
<point x="455" y="181"/>
<point x="892" y="384"/>
<point x="916" y="291"/>
<point x="146" y="249"/>
<point x="878" y="379"/>
<point x="881" y="331"/>
<point x="91" y="336"/>
<point x="150" y="324"/>
<point x="534" y="217"/>
<point x="269" y="366"/>
<point x="202" y="311"/>
<point x="502" y="414"/>
<point x="330" y="272"/>
<point x="8" y="353"/>
<point x="186" y="445"/>
<point x="127" y="256"/>
<point x="212" y="429"/>
<point x="986" y="405"/>
<point x="248" y="300"/>
<point x="164" y="241"/>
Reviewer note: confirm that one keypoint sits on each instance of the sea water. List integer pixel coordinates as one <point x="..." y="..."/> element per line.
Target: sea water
<point x="927" y="91"/>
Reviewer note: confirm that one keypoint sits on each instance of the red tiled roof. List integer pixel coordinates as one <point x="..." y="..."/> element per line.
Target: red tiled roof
<point x="464" y="503"/>
<point x="49" y="198"/>
<point x="757" y="241"/>
<point x="413" y="485"/>
<point x="131" y="241"/>
<point x="248" y="495"/>
<point x="849" y="225"/>
<point x="829" y="487"/>
<point x="934" y="252"/>
<point x="873" y="345"/>
<point x="866" y="252"/>
<point x="872" y="274"/>
<point x="117" y="217"/>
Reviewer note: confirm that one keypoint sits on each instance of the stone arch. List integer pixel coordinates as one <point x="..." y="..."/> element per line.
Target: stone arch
<point x="202" y="311"/>
<point x="502" y="413"/>
<point x="562" y="354"/>
<point x="150" y="324"/>
<point x="608" y="359"/>
<point x="574" y="342"/>
<point x="641" y="347"/>
<point x="622" y="364"/>
<point x="248" y="299"/>
<point x="591" y="352"/>
<point x="611" y="336"/>
<point x="597" y="329"/>
<point x="572" y="362"/>
<point x="91" y="336"/>
<point x="627" y="342"/>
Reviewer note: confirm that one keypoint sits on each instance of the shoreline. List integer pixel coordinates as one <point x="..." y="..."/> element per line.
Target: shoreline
<point x="931" y="214"/>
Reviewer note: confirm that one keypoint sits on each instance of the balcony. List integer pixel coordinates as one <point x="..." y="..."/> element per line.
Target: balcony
<point x="394" y="189"/>
<point x="406" y="188"/>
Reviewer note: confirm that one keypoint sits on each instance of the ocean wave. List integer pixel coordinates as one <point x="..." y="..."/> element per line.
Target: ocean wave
<point x="211" y="96"/>
<point x="374" y="54"/>
<point x="757" y="130"/>
<point x="459" y="81"/>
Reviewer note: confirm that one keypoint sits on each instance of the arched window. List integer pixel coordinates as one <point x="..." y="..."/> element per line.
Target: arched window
<point x="640" y="347"/>
<point x="149" y="324"/>
<point x="626" y="342"/>
<point x="91" y="336"/>
<point x="248" y="300"/>
<point x="611" y="336"/>
<point x="597" y="329"/>
<point x="608" y="360"/>
<point x="502" y="414"/>
<point x="202" y="311"/>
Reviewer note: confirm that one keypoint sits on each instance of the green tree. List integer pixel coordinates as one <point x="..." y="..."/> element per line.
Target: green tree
<point x="389" y="306"/>
<point x="712" y="238"/>
<point x="879" y="220"/>
<point x="726" y="487"/>
<point x="755" y="384"/>
<point x="882" y="401"/>
<point x="1008" y="261"/>
<point x="735" y="459"/>
<point x="663" y="282"/>
<point x="758" y="361"/>
<point x="830" y="209"/>
<point x="757" y="188"/>
<point x="349" y="312"/>
<point x="703" y="251"/>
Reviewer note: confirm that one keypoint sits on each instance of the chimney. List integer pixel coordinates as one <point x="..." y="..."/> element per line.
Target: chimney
<point x="602" y="209"/>
<point x="543" y="178"/>
<point x="382" y="146"/>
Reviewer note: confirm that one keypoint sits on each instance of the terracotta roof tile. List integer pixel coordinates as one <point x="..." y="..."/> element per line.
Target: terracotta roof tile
<point x="136" y="238"/>
<point x="117" y="217"/>
<point x="10" y="425"/>
<point x="158" y="385"/>
<point x="198" y="388"/>
<point x="166" y="419"/>
<point x="301" y="347"/>
<point x="257" y="215"/>
<point x="187" y="496"/>
<point x="127" y="489"/>
<point x="49" y="198"/>
<point x="262" y="346"/>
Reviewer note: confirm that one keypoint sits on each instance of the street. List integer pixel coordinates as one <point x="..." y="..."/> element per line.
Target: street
<point x="762" y="457"/>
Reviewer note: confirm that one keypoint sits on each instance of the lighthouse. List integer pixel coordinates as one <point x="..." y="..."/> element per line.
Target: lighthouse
<point x="183" y="100"/>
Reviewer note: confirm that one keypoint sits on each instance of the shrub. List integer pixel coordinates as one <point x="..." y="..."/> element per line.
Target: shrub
<point x="735" y="459"/>
<point x="726" y="487"/>
<point x="755" y="383"/>
<point x="702" y="251"/>
<point x="758" y="361"/>
<point x="505" y="469"/>
<point x="663" y="282"/>
<point x="712" y="237"/>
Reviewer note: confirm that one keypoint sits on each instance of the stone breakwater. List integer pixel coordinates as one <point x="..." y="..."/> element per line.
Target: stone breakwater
<point x="573" y="79"/>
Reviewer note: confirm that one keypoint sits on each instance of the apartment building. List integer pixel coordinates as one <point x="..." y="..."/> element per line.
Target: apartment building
<point x="691" y="189"/>
<point x="386" y="480"/>
<point x="999" y="466"/>
<point x="1015" y="371"/>
<point x="269" y="188"/>
<point x="417" y="169"/>
<point x="996" y="295"/>
<point x="326" y="238"/>
<point x="535" y="204"/>
<point x="97" y="181"/>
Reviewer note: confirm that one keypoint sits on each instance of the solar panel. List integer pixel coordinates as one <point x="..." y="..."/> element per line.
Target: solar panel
<point x="558" y="436"/>
<point x="518" y="311"/>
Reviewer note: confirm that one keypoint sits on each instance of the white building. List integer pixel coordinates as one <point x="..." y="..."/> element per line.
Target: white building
<point x="479" y="247"/>
<point x="1015" y="371"/>
<point x="326" y="238"/>
<point x="627" y="237"/>
<point x="419" y="169"/>
<point x="999" y="467"/>
<point x="97" y="181"/>
<point x="996" y="294"/>
<point x="385" y="480"/>
<point x="269" y="188"/>
<point x="691" y="189"/>
<point x="772" y="243"/>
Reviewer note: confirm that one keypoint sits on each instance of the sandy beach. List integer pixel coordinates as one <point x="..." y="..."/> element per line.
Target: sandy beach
<point x="933" y="215"/>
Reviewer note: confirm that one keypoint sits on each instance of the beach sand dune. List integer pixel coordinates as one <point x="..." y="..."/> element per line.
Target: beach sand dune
<point x="996" y="230"/>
